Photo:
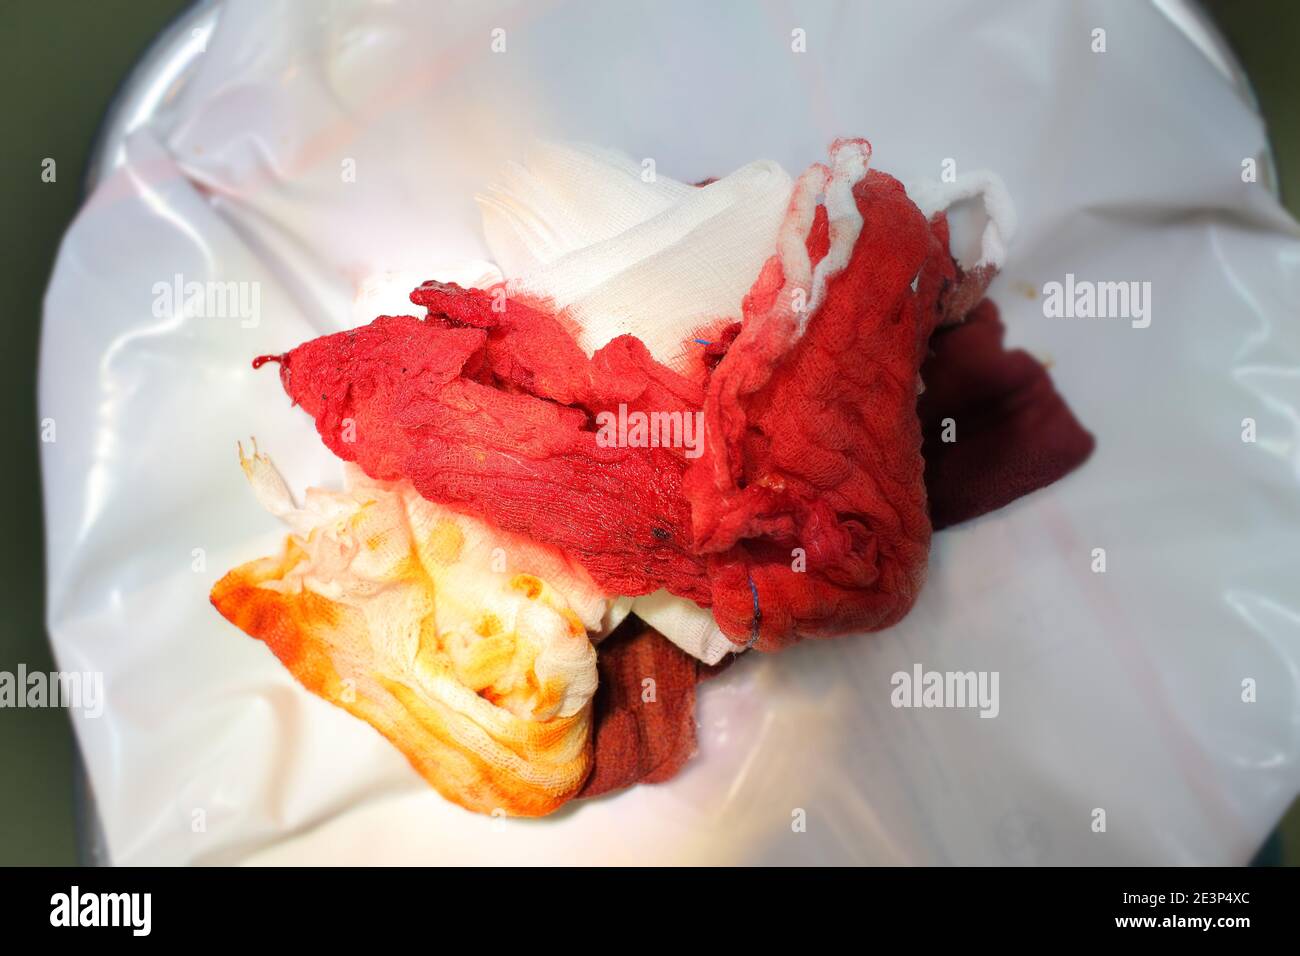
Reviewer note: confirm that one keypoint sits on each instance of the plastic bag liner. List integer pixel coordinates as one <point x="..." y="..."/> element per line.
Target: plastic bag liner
<point x="318" y="158"/>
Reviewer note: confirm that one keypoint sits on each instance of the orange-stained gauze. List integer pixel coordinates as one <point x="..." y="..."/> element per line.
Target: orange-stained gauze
<point x="464" y="646"/>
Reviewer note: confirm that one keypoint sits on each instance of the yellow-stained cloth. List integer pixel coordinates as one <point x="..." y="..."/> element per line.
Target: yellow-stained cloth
<point x="464" y="646"/>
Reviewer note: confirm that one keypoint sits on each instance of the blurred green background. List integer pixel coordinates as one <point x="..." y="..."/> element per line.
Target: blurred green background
<point x="61" y="64"/>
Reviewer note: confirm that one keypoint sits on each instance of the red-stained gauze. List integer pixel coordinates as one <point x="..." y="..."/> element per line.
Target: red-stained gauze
<point x="780" y="480"/>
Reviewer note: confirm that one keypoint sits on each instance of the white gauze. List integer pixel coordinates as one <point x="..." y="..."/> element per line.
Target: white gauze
<point x="629" y="251"/>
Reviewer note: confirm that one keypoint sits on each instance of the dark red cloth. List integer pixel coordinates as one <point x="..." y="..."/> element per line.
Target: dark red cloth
<point x="643" y="733"/>
<point x="639" y="740"/>
<point x="1014" y="433"/>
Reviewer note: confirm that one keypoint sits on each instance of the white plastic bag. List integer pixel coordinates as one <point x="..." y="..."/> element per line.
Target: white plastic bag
<point x="313" y="146"/>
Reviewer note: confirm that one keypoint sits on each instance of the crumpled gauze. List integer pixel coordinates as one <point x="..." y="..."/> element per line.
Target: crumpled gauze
<point x="626" y="250"/>
<point x="403" y="613"/>
<point x="622" y="249"/>
<point x="339" y="156"/>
